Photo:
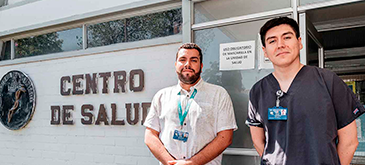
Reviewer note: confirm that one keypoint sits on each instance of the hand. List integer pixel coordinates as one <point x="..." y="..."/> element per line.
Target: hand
<point x="179" y="162"/>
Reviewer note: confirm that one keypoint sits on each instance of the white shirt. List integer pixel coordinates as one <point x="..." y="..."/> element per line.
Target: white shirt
<point x="210" y="112"/>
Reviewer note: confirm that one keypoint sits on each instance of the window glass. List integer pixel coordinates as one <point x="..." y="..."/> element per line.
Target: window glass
<point x="6" y="51"/>
<point x="10" y="2"/>
<point x="307" y="2"/>
<point x="356" y="82"/>
<point x="49" y="43"/>
<point x="211" y="10"/>
<point x="360" y="122"/>
<point x="3" y="2"/>
<point x="235" y="159"/>
<point x="135" y="28"/>
<point x="106" y="33"/>
<point x="154" y="25"/>
<point x="237" y="82"/>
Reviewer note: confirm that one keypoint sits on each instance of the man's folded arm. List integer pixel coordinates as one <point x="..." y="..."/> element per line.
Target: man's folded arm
<point x="155" y="145"/>
<point x="210" y="151"/>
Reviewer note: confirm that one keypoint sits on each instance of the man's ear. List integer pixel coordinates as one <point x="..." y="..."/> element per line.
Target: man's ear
<point x="264" y="50"/>
<point x="300" y="42"/>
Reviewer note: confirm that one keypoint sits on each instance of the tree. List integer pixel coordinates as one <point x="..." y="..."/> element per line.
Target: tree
<point x="154" y="25"/>
<point x="42" y="44"/>
<point x="135" y="28"/>
<point x="106" y="33"/>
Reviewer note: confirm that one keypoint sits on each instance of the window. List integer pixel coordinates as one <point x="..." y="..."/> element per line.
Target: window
<point x="135" y="28"/>
<point x="307" y="2"/>
<point x="49" y="43"/>
<point x="106" y="33"/>
<point x="237" y="82"/>
<point x="6" y="51"/>
<point x="3" y="3"/>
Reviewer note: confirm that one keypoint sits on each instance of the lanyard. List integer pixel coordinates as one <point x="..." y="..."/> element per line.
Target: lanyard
<point x="279" y="94"/>
<point x="181" y="115"/>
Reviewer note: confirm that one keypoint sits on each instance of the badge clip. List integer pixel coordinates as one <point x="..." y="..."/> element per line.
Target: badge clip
<point x="278" y="112"/>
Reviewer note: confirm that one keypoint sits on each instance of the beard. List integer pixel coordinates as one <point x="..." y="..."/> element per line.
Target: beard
<point x="191" y="79"/>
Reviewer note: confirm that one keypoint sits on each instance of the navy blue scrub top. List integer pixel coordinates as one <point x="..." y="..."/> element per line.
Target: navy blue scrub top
<point x="319" y="103"/>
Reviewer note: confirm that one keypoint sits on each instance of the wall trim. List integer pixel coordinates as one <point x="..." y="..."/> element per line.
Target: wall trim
<point x="242" y="19"/>
<point x="302" y="9"/>
<point x="78" y="20"/>
<point x="97" y="50"/>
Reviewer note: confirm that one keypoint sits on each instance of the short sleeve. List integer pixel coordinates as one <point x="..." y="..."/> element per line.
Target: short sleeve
<point x="226" y="117"/>
<point x="152" y="120"/>
<point x="252" y="119"/>
<point x="346" y="105"/>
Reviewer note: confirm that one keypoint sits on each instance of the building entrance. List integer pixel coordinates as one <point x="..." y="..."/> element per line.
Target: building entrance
<point x="334" y="38"/>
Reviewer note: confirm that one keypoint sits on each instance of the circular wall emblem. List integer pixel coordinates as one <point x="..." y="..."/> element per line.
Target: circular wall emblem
<point x="17" y="100"/>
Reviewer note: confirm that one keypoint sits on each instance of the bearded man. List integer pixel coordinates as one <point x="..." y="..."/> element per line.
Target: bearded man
<point x="190" y="123"/>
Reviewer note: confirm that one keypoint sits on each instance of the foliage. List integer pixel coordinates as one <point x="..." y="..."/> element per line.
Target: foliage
<point x="126" y="30"/>
<point x="106" y="33"/>
<point x="42" y="44"/>
<point x="154" y="25"/>
<point x="135" y="28"/>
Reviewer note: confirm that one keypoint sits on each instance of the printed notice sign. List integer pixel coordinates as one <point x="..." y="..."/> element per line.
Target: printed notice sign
<point x="237" y="55"/>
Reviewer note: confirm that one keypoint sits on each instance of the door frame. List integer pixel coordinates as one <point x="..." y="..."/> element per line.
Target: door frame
<point x="307" y="30"/>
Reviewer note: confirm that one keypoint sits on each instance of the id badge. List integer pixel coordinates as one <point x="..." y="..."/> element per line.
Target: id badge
<point x="182" y="136"/>
<point x="278" y="113"/>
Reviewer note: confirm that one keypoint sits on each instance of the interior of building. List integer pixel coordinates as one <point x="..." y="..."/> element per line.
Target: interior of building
<point x="340" y="31"/>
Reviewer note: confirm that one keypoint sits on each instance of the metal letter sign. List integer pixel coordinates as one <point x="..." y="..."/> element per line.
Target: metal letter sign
<point x="18" y="98"/>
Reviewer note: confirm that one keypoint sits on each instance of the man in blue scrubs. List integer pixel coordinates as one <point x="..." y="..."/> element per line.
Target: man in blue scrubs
<point x="300" y="114"/>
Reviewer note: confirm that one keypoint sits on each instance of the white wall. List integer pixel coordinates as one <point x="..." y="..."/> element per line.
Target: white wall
<point x="49" y="10"/>
<point x="41" y="143"/>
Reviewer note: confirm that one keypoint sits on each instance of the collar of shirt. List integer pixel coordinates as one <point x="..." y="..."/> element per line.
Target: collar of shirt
<point x="197" y="86"/>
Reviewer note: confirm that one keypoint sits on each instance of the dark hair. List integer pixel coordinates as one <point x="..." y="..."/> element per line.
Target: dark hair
<point x="191" y="46"/>
<point x="276" y="22"/>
